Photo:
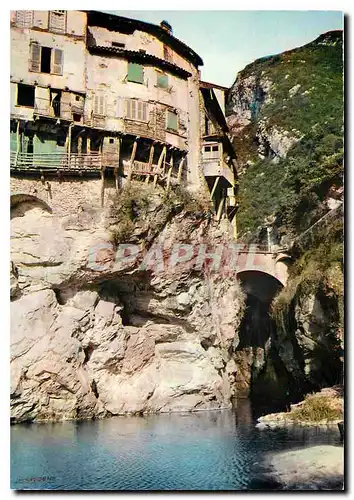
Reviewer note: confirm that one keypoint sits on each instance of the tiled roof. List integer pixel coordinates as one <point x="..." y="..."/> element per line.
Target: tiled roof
<point x="141" y="56"/>
<point x="114" y="21"/>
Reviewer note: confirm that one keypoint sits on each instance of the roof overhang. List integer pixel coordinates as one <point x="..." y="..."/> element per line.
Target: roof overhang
<point x="126" y="25"/>
<point x="139" y="57"/>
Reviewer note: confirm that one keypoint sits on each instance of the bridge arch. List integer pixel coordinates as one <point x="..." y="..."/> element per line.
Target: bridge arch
<point x="260" y="284"/>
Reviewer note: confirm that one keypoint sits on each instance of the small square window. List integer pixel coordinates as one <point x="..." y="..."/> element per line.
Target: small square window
<point x="207" y="149"/>
<point x="77" y="98"/>
<point x="25" y="95"/>
<point x="215" y="148"/>
<point x="111" y="141"/>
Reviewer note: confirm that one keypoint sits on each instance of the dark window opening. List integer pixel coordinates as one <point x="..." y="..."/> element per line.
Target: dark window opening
<point x="30" y="145"/>
<point x="55" y="96"/>
<point x="207" y="149"/>
<point x="118" y="44"/>
<point x="25" y="95"/>
<point x="46" y="59"/>
<point x="111" y="141"/>
<point x="215" y="148"/>
<point x="77" y="98"/>
<point x="61" y="141"/>
<point x="76" y="117"/>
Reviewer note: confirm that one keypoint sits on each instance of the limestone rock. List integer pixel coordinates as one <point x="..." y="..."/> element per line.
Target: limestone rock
<point x="89" y="339"/>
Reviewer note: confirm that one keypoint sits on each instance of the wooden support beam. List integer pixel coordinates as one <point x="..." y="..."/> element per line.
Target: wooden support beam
<point x="220" y="209"/>
<point x="151" y="158"/>
<point x="18" y="145"/>
<point x="169" y="172"/>
<point x="102" y="186"/>
<point x="180" y="167"/>
<point x="234" y="223"/>
<point x="132" y="158"/>
<point x="214" y="188"/>
<point x="159" y="163"/>
<point x="116" y="168"/>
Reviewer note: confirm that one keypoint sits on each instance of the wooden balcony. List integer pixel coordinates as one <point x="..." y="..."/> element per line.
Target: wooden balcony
<point x="76" y="163"/>
<point x="217" y="168"/>
<point x="60" y="161"/>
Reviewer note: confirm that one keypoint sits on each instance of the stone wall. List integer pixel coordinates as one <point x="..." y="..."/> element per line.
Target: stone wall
<point x="65" y="196"/>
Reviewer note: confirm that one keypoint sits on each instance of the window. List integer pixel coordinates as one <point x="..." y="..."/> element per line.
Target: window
<point x="99" y="105"/>
<point x="77" y="117"/>
<point x="135" y="73"/>
<point x="25" y="95"/>
<point x="46" y="59"/>
<point x="111" y="141"/>
<point x="24" y="18"/>
<point x="57" y="20"/>
<point x="172" y="120"/>
<point x="162" y="80"/>
<point x="137" y="110"/>
<point x="119" y="45"/>
<point x="211" y="152"/>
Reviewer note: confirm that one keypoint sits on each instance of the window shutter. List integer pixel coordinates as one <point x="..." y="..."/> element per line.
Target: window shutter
<point x="57" y="66"/>
<point x="99" y="104"/>
<point x="135" y="73"/>
<point x="35" y="61"/>
<point x="162" y="80"/>
<point x="24" y="18"/>
<point x="102" y="105"/>
<point x="57" y="20"/>
<point x="172" y="121"/>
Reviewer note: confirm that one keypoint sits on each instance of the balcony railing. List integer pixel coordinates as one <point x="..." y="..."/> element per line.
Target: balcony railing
<point x="83" y="162"/>
<point x="69" y="161"/>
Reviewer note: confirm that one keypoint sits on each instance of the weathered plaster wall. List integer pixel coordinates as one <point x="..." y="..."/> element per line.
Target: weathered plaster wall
<point x="73" y="46"/>
<point x="66" y="196"/>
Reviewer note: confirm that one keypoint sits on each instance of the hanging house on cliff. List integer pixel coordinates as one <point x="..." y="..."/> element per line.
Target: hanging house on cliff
<point x="95" y="94"/>
<point x="218" y="157"/>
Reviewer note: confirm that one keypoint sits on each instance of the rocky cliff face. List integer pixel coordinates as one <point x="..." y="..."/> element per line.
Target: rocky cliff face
<point x="286" y="116"/>
<point x="285" y="113"/>
<point x="122" y="339"/>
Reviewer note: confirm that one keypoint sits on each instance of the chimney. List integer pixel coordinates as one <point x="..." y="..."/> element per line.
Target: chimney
<point x="166" y="26"/>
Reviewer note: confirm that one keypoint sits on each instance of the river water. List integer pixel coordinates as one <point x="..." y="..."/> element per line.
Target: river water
<point x="215" y="450"/>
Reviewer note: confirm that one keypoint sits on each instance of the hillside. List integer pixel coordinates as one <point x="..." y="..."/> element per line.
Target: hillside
<point x="286" y="116"/>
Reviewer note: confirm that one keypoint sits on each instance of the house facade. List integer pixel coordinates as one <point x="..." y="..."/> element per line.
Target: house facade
<point x="110" y="96"/>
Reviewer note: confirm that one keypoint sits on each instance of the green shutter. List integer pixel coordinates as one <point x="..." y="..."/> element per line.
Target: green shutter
<point x="172" y="122"/>
<point x="13" y="141"/>
<point x="162" y="80"/>
<point x="135" y="73"/>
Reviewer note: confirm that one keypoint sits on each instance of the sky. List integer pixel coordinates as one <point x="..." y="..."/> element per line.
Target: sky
<point x="229" y="40"/>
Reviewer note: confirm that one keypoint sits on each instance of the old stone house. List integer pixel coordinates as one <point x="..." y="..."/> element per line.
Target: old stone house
<point x="104" y="95"/>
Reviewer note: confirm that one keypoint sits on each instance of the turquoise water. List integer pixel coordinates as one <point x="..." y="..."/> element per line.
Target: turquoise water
<point x="218" y="450"/>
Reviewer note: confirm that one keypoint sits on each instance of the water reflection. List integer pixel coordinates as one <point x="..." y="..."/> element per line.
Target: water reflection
<point x="216" y="450"/>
